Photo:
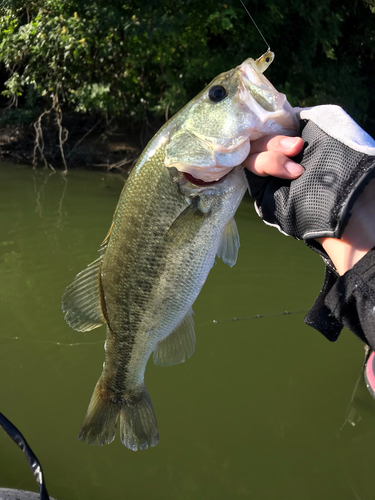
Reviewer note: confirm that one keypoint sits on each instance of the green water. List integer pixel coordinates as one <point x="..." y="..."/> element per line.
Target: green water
<point x="261" y="409"/>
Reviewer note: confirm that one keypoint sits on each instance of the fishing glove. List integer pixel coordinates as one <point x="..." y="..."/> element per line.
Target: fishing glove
<point x="339" y="160"/>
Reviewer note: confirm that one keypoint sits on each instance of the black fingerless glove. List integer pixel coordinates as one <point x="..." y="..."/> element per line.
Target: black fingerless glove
<point x="339" y="160"/>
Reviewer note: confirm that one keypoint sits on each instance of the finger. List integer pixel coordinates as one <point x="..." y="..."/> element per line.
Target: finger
<point x="273" y="163"/>
<point x="290" y="146"/>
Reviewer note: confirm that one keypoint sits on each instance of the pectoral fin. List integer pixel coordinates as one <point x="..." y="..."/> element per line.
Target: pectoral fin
<point x="82" y="300"/>
<point x="229" y="244"/>
<point x="187" y="225"/>
<point x="181" y="342"/>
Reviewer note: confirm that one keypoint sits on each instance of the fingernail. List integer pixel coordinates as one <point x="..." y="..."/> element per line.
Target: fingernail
<point x="289" y="142"/>
<point x="293" y="168"/>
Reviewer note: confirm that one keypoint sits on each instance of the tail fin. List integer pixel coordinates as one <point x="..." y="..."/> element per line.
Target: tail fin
<point x="100" y="419"/>
<point x="138" y="427"/>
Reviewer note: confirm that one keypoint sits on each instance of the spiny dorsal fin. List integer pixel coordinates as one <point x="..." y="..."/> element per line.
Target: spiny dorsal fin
<point x="82" y="300"/>
<point x="180" y="342"/>
<point x="103" y="246"/>
<point x="229" y="244"/>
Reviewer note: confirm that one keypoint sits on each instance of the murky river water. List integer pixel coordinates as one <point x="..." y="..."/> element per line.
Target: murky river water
<point x="265" y="409"/>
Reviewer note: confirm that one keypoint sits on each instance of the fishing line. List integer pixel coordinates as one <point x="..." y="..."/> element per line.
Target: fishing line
<point x="62" y="344"/>
<point x="352" y="415"/>
<point x="258" y="316"/>
<point x="255" y="24"/>
<point x="214" y="321"/>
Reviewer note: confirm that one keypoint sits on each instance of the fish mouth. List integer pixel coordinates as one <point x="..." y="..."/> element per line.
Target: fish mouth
<point x="199" y="182"/>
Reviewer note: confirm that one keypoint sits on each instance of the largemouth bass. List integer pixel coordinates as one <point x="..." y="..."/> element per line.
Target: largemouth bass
<point x="175" y="214"/>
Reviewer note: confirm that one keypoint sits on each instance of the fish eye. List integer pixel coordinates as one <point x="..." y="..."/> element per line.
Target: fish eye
<point x="267" y="59"/>
<point x="217" y="93"/>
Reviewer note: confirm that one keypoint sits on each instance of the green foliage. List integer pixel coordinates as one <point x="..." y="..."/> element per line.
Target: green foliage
<point x="140" y="59"/>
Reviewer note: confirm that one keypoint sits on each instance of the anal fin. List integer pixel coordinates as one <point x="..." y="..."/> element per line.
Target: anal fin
<point x="179" y="344"/>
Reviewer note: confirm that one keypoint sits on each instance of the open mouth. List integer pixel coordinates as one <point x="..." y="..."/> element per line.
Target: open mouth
<point x="199" y="182"/>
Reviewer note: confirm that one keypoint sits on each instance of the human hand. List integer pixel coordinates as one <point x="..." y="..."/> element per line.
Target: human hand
<point x="331" y="206"/>
<point x="339" y="160"/>
<point x="358" y="236"/>
<point x="270" y="155"/>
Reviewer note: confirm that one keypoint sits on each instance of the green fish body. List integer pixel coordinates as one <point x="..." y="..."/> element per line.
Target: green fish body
<point x="175" y="214"/>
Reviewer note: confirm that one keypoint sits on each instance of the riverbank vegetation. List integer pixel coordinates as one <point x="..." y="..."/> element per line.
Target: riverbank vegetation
<point x="75" y="75"/>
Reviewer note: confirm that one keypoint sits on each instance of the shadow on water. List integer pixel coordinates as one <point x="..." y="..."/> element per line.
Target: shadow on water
<point x="258" y="410"/>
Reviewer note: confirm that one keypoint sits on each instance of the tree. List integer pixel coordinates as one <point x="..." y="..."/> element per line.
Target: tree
<point x="145" y="60"/>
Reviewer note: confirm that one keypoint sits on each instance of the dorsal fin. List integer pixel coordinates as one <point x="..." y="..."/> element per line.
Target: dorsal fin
<point x="181" y="342"/>
<point x="229" y="244"/>
<point x="82" y="300"/>
<point x="103" y="246"/>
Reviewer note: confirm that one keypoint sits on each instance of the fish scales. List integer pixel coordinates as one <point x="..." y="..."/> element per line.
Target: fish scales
<point x="131" y="271"/>
<point x="175" y="214"/>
